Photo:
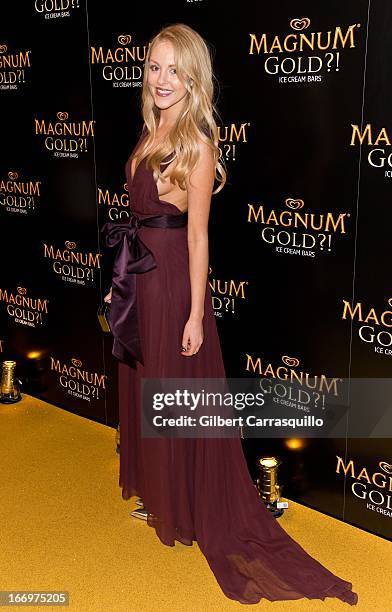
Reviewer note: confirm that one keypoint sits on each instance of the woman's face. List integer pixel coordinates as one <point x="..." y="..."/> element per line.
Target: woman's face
<point x="166" y="88"/>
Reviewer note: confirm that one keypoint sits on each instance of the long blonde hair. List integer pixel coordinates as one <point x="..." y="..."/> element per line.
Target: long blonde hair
<point x="195" y="121"/>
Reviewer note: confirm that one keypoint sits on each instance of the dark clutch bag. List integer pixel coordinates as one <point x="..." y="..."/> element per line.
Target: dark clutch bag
<point x="103" y="317"/>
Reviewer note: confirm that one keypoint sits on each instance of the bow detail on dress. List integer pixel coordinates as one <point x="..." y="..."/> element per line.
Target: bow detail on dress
<point x="132" y="257"/>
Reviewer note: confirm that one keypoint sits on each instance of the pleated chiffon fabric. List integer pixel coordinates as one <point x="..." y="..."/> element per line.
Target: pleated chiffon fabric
<point x="200" y="489"/>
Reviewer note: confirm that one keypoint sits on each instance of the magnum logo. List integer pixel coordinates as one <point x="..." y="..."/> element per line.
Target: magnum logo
<point x="229" y="136"/>
<point x="56" y="8"/>
<point x="225" y="294"/>
<point x="71" y="264"/>
<point x="293" y="388"/>
<point x="65" y="138"/>
<point x="13" y="67"/>
<point x="77" y="380"/>
<point x="17" y="196"/>
<point x="374" y="487"/>
<point x="116" y="204"/>
<point x="123" y="64"/>
<point x="23" y="308"/>
<point x="284" y="229"/>
<point x="378" y="139"/>
<point x="304" y="67"/>
<point x="377" y="326"/>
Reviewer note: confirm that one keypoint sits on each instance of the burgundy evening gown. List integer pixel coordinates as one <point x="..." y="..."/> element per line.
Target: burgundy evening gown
<point x="200" y="488"/>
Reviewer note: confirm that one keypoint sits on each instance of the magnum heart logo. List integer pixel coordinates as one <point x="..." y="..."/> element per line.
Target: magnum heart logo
<point x="13" y="176"/>
<point x="292" y="362"/>
<point x="22" y="290"/>
<point x="3" y="48"/>
<point x="76" y="362"/>
<point x="70" y="245"/>
<point x="62" y="116"/>
<point x="300" y="24"/>
<point x="124" y="39"/>
<point x="294" y="204"/>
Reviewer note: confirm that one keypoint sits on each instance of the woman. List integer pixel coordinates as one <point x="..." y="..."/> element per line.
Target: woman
<point x="193" y="488"/>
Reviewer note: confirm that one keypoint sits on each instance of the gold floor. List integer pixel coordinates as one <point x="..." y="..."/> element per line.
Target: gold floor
<point x="65" y="526"/>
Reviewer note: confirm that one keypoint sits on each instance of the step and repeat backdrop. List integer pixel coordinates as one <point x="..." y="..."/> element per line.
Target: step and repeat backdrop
<point x="300" y="237"/>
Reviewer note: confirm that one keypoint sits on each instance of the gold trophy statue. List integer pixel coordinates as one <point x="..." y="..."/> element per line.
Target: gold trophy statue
<point x="267" y="486"/>
<point x="9" y="391"/>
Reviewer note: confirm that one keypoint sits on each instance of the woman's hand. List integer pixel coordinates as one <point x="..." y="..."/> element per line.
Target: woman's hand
<point x="108" y="297"/>
<point x="192" y="338"/>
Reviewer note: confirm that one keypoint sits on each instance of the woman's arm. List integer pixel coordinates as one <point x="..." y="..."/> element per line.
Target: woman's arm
<point x="200" y="185"/>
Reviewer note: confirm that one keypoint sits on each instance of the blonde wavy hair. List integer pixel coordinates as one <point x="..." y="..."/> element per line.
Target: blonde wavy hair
<point x="196" y="120"/>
